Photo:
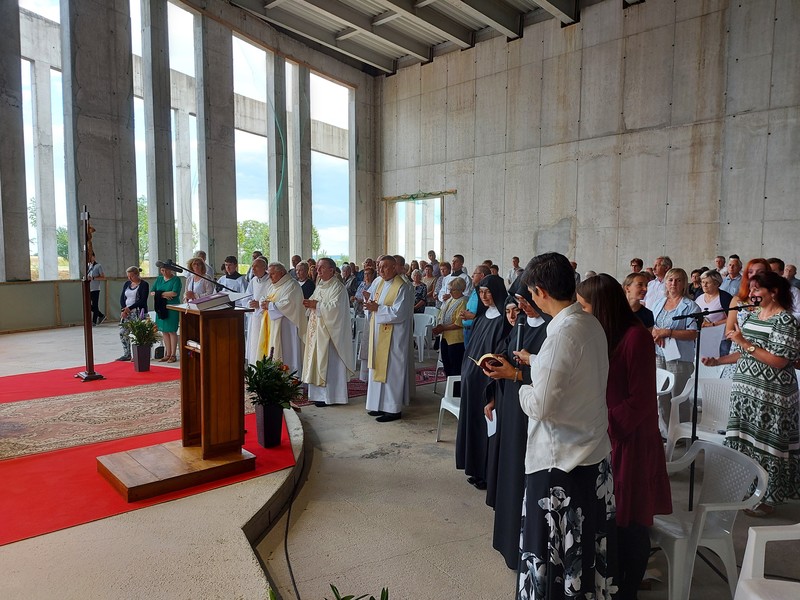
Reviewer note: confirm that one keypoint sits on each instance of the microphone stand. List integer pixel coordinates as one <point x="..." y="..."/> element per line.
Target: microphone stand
<point x="698" y="318"/>
<point x="172" y="267"/>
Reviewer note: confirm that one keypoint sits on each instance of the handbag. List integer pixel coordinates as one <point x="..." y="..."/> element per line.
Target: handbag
<point x="159" y="352"/>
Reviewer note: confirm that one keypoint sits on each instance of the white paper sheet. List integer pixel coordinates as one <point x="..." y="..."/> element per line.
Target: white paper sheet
<point x="710" y="339"/>
<point x="671" y="350"/>
<point x="491" y="426"/>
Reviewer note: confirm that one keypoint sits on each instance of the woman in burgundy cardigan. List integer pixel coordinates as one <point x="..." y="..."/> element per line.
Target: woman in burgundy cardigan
<point x="641" y="485"/>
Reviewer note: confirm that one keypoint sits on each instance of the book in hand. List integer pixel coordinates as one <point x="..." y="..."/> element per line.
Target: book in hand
<point x="208" y="302"/>
<point x="487" y="359"/>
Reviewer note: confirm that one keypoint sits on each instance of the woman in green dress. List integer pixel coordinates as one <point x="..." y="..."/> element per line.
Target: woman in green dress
<point x="166" y="291"/>
<point x="763" y="422"/>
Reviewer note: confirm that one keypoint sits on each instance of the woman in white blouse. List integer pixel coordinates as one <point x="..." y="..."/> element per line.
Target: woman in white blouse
<point x="196" y="286"/>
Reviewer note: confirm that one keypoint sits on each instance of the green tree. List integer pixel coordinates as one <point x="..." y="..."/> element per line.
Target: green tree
<point x="315" y="243"/>
<point x="32" y="212"/>
<point x="144" y="228"/>
<point x="252" y="235"/>
<point x="62" y="242"/>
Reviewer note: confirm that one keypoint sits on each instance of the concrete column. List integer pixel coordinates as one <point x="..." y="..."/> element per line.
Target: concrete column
<point x="428" y="227"/>
<point x="15" y="264"/>
<point x="98" y="130"/>
<point x="277" y="160"/>
<point x="43" y="171"/>
<point x="299" y="144"/>
<point x="215" y="139"/>
<point x="411" y="230"/>
<point x="183" y="191"/>
<point x="158" y="140"/>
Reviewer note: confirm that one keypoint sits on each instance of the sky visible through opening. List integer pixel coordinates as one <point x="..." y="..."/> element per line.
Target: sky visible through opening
<point x="329" y="103"/>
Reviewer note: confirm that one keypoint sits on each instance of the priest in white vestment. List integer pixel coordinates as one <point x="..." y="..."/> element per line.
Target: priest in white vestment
<point x="328" y="362"/>
<point x="257" y="288"/>
<point x="391" y="310"/>
<point x="283" y="328"/>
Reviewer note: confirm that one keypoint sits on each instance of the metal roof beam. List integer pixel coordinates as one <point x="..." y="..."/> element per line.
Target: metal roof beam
<point x="565" y="11"/>
<point x="441" y="24"/>
<point x="352" y="18"/>
<point x="384" y="18"/>
<point x="288" y="21"/>
<point x="496" y="15"/>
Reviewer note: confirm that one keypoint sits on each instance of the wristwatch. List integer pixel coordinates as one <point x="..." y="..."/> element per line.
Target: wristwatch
<point x="750" y="349"/>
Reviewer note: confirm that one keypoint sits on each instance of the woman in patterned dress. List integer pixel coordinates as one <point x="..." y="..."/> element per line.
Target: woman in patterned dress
<point x="763" y="422"/>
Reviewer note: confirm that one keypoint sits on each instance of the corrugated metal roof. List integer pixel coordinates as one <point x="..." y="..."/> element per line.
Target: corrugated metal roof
<point x="382" y="33"/>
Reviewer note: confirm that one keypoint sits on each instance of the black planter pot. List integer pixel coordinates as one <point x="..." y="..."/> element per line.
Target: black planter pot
<point x="269" y="424"/>
<point x="141" y="357"/>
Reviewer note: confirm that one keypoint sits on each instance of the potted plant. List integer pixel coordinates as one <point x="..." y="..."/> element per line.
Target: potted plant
<point x="271" y="388"/>
<point x="143" y="334"/>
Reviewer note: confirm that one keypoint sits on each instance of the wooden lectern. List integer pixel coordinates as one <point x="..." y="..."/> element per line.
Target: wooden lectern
<point x="212" y="379"/>
<point x="212" y="413"/>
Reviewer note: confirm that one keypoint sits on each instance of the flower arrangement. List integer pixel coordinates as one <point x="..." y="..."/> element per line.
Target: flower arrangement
<point x="140" y="329"/>
<point x="270" y="382"/>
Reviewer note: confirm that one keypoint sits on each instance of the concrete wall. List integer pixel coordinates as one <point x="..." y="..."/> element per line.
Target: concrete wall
<point x="668" y="127"/>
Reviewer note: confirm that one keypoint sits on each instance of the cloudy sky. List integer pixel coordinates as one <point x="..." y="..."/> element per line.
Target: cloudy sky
<point x="329" y="175"/>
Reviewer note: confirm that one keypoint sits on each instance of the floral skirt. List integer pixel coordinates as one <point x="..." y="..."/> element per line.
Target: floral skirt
<point x="568" y="541"/>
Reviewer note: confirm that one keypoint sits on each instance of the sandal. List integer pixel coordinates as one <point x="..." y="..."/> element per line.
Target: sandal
<point x="760" y="511"/>
<point x="171" y="359"/>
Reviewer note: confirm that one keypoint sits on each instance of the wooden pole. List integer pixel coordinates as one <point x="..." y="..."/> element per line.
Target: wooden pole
<point x="88" y="343"/>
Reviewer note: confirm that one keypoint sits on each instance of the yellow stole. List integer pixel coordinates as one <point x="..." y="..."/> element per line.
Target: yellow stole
<point x="379" y="360"/>
<point x="263" y="339"/>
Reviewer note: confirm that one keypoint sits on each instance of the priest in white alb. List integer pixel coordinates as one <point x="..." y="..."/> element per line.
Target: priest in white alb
<point x="257" y="290"/>
<point x="391" y="308"/>
<point x="328" y="362"/>
<point x="283" y="329"/>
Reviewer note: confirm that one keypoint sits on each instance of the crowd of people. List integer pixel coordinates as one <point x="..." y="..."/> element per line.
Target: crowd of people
<point x="560" y="423"/>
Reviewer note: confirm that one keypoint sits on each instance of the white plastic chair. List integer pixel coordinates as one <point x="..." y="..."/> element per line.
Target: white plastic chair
<point x="358" y="327"/>
<point x="752" y="584"/>
<point x="449" y="403"/>
<point x="439" y="365"/>
<point x="712" y="420"/>
<point x="665" y="383"/>
<point x="727" y="478"/>
<point x="422" y="326"/>
<point x="432" y="311"/>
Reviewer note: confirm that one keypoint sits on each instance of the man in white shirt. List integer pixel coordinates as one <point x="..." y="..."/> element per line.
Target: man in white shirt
<point x="232" y="279"/>
<point x="457" y="271"/>
<point x="719" y="265"/>
<point x="655" y="289"/>
<point x="568" y="449"/>
<point x="512" y="272"/>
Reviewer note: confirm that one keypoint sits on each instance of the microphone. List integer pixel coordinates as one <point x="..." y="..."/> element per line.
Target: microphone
<point x="168" y="264"/>
<point x="521" y="319"/>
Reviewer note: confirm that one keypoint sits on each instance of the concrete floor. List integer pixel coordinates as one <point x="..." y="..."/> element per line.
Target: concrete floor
<point x="383" y="506"/>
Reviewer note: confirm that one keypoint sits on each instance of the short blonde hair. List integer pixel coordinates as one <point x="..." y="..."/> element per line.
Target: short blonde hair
<point x="457" y="284"/>
<point x="678" y="273"/>
<point x="136" y="270"/>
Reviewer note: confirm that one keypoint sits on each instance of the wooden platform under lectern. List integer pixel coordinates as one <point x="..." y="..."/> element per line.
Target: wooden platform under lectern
<point x="212" y="414"/>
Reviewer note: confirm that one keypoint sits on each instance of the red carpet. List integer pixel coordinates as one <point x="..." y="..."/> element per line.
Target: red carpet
<point x="55" y="490"/>
<point x="62" y="382"/>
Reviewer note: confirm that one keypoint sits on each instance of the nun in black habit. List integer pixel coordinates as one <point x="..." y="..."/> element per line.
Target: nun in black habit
<point x="505" y="471"/>
<point x="489" y="329"/>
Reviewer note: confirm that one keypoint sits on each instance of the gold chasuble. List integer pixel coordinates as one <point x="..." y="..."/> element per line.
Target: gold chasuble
<point x="286" y="297"/>
<point x="379" y="360"/>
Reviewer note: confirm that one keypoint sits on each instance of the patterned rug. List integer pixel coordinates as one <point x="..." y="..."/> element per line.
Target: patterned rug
<point x="425" y="375"/>
<point x="45" y="424"/>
